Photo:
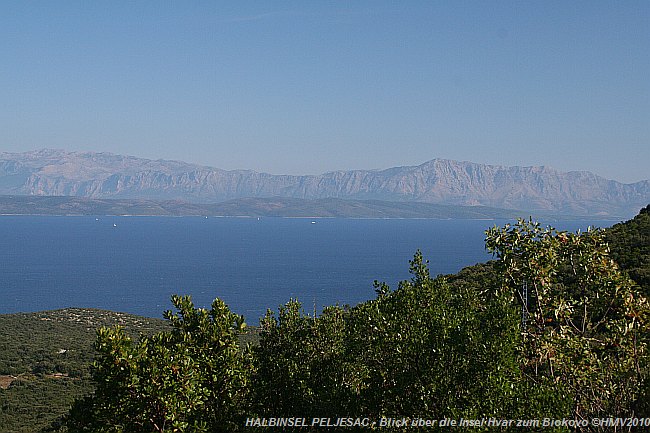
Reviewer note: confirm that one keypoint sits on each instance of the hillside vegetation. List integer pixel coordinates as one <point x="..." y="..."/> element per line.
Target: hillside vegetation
<point x="630" y="247"/>
<point x="45" y="361"/>
<point x="470" y="345"/>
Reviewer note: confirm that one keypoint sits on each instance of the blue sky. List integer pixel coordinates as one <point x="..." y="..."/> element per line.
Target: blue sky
<point x="311" y="86"/>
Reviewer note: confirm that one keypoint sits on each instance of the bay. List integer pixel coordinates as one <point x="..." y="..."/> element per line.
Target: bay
<point x="134" y="264"/>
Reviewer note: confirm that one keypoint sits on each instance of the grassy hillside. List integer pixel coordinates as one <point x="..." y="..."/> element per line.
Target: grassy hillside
<point x="45" y="359"/>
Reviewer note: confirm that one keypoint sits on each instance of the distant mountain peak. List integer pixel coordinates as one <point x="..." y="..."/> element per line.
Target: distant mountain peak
<point x="51" y="172"/>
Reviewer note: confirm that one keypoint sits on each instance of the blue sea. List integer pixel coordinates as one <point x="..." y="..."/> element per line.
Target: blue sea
<point x="134" y="264"/>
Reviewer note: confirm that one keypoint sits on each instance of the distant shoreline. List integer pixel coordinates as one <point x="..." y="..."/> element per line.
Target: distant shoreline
<point x="275" y="207"/>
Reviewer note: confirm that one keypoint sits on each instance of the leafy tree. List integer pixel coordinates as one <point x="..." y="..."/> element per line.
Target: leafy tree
<point x="194" y="378"/>
<point x="427" y="349"/>
<point x="430" y="350"/>
<point x="301" y="364"/>
<point x="587" y="328"/>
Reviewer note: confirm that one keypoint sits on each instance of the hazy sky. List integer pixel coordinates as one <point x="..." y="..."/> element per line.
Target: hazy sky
<point x="310" y="86"/>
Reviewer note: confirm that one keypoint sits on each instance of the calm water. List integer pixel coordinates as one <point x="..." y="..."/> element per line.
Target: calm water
<point x="134" y="264"/>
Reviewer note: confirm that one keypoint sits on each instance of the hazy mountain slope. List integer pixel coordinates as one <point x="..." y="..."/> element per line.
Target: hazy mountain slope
<point x="105" y="175"/>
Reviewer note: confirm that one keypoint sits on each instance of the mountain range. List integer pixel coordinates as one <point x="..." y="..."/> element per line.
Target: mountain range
<point x="438" y="181"/>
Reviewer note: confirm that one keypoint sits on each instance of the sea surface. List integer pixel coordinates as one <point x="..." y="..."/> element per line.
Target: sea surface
<point x="134" y="264"/>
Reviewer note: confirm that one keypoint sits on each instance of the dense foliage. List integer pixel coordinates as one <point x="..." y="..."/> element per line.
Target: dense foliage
<point x="630" y="247"/>
<point x="586" y="323"/>
<point x="423" y="350"/>
<point x="430" y="351"/>
<point x="193" y="378"/>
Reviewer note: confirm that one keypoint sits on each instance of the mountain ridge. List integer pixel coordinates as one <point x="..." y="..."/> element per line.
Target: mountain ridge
<point x="439" y="181"/>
